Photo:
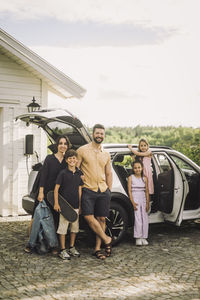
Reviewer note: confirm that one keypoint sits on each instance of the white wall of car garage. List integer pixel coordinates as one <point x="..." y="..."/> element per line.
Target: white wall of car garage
<point x="17" y="88"/>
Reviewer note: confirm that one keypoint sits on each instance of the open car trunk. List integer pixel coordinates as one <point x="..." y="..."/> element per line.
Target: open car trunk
<point x="58" y="122"/>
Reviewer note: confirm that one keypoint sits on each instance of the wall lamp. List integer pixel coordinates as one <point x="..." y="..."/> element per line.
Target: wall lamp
<point x="33" y="106"/>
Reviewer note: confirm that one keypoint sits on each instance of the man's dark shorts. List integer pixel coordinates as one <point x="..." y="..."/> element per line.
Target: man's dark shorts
<point x="95" y="203"/>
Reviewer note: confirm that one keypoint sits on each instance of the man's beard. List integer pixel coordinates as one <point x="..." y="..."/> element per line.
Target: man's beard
<point x="98" y="141"/>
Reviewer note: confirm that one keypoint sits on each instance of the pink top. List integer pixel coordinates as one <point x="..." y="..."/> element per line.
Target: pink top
<point x="148" y="173"/>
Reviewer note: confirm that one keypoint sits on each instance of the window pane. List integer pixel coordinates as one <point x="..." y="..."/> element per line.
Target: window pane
<point x="55" y="129"/>
<point x="124" y="161"/>
<point x="61" y="128"/>
<point x="163" y="163"/>
<point x="183" y="165"/>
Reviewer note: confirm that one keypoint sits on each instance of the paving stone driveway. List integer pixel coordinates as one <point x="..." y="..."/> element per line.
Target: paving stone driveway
<point x="169" y="268"/>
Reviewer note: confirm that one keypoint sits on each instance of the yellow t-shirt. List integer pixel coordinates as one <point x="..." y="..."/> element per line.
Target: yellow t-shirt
<point x="93" y="163"/>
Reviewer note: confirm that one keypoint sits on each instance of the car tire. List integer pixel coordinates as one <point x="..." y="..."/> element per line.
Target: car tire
<point x="117" y="222"/>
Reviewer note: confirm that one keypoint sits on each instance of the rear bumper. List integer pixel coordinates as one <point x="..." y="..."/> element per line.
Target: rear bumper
<point x="28" y="204"/>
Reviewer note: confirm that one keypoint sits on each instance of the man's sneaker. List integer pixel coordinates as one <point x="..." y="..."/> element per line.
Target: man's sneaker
<point x="144" y="242"/>
<point x="73" y="252"/>
<point x="138" y="242"/>
<point x="64" y="255"/>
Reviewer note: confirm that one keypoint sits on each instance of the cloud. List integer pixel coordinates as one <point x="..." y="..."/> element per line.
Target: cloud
<point x="99" y="22"/>
<point x="149" y="13"/>
<point x="51" y="32"/>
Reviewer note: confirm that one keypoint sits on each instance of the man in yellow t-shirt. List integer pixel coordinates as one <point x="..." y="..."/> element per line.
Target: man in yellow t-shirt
<point x="95" y="164"/>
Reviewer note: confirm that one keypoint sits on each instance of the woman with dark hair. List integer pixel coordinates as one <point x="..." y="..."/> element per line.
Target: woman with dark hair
<point x="53" y="164"/>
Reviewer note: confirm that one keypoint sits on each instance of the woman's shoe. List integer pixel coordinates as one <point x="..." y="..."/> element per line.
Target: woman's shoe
<point x="54" y="251"/>
<point x="28" y="249"/>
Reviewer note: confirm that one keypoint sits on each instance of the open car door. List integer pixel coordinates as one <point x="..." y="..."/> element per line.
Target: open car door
<point x="172" y="188"/>
<point x="58" y="122"/>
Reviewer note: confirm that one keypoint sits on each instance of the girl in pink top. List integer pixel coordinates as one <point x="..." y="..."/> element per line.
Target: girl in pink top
<point x="145" y="155"/>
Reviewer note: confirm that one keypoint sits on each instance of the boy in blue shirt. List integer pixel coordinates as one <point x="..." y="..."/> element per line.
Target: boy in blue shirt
<point x="68" y="184"/>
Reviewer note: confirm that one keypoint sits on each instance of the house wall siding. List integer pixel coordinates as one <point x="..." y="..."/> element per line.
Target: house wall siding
<point x="17" y="88"/>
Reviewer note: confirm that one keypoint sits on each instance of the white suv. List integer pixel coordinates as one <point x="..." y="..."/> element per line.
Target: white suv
<point x="176" y="178"/>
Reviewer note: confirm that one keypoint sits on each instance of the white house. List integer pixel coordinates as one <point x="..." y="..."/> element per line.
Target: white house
<point x="23" y="74"/>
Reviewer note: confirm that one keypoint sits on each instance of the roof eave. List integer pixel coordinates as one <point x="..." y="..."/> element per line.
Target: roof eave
<point x="42" y="69"/>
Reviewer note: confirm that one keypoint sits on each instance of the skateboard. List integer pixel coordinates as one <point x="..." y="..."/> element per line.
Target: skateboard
<point x="66" y="209"/>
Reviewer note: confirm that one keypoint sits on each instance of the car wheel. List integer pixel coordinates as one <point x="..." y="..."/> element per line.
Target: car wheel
<point x="117" y="222"/>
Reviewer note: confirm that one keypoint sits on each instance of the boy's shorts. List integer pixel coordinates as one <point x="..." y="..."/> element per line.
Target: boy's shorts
<point x="63" y="225"/>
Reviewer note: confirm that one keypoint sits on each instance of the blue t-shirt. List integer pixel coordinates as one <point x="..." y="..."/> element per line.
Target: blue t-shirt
<point x="69" y="185"/>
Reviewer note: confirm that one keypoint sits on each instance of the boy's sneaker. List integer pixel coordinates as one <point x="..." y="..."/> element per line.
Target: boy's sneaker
<point x="73" y="252"/>
<point x="64" y="255"/>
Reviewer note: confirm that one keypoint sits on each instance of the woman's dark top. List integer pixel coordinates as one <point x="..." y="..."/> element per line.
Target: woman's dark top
<point x="50" y="170"/>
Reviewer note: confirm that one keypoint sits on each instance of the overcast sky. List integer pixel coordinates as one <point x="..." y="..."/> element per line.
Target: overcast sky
<point x="138" y="59"/>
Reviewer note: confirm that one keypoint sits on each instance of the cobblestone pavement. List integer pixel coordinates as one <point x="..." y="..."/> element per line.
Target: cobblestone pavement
<point x="169" y="268"/>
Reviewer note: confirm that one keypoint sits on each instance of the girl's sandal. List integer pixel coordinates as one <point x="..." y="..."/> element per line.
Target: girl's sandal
<point x="98" y="254"/>
<point x="108" y="249"/>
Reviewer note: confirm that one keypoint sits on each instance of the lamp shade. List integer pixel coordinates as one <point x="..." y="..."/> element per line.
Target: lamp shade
<point x="33" y="106"/>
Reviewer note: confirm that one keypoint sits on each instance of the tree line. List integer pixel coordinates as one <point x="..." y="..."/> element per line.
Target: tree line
<point x="183" y="139"/>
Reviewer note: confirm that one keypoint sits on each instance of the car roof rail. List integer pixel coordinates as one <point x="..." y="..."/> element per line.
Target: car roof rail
<point x="107" y="146"/>
<point x="162" y="147"/>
